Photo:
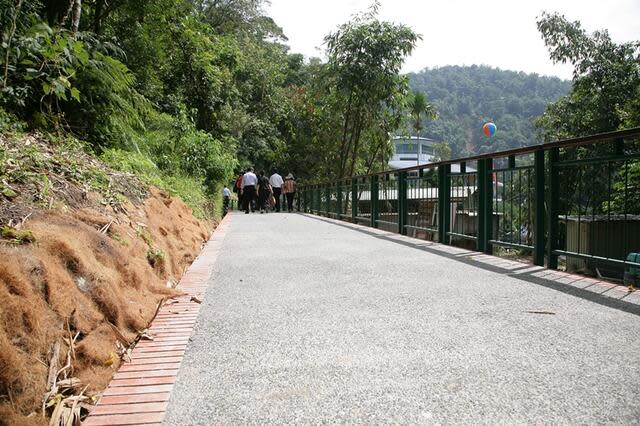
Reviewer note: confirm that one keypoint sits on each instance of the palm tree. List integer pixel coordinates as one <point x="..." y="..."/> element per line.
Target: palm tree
<point x="418" y="105"/>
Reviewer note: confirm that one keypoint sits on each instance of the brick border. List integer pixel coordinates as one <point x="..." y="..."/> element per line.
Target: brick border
<point x="139" y="391"/>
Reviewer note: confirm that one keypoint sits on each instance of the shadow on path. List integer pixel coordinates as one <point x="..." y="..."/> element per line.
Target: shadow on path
<point x="574" y="285"/>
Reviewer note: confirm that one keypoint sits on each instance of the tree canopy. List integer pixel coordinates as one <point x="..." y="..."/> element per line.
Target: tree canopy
<point x="605" y="95"/>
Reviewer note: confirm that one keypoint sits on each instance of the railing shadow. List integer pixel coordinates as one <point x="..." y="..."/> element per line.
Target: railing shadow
<point x="596" y="291"/>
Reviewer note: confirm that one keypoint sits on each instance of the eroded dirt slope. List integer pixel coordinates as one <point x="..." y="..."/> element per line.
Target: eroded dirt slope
<point x="80" y="279"/>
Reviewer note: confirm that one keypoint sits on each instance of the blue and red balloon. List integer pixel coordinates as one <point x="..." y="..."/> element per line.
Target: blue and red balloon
<point x="489" y="129"/>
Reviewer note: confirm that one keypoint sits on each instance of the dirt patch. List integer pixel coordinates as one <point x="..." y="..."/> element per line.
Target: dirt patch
<point x="94" y="272"/>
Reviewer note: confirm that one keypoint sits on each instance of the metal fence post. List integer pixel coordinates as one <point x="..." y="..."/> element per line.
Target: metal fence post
<point x="306" y="199"/>
<point x="402" y="203"/>
<point x="488" y="224"/>
<point x="485" y="205"/>
<point x="354" y="199"/>
<point x="339" y="201"/>
<point x="316" y="200"/>
<point x="483" y="239"/>
<point x="441" y="178"/>
<point x="327" y="203"/>
<point x="538" y="232"/>
<point x="374" y="201"/>
<point x="554" y="201"/>
<point x="444" y="200"/>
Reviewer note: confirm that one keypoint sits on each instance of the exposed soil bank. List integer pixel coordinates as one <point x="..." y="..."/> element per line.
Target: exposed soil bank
<point x="90" y="272"/>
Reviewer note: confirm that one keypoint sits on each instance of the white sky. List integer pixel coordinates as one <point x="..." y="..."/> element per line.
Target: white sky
<point x="499" y="33"/>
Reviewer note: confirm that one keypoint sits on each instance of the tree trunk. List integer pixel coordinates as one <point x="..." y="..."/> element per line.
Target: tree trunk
<point x="77" y="11"/>
<point x="63" y="18"/>
<point x="343" y="156"/>
<point x="97" y="16"/>
<point x="356" y="143"/>
<point x="12" y="32"/>
<point x="373" y="157"/>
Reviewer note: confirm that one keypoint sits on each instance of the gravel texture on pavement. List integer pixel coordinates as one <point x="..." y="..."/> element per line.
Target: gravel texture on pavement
<point x="308" y="322"/>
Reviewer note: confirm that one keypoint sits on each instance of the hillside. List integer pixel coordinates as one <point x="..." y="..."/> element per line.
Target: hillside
<point x="87" y="253"/>
<point x="467" y="97"/>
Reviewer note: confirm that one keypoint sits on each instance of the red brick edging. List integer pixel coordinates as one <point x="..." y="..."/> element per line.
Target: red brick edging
<point x="139" y="391"/>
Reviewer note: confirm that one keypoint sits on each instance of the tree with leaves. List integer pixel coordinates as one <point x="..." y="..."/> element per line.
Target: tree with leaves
<point x="606" y="80"/>
<point x="365" y="58"/>
<point x="419" y="108"/>
<point x="604" y="97"/>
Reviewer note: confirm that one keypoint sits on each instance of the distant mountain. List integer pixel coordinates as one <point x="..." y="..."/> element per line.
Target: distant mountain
<point x="467" y="97"/>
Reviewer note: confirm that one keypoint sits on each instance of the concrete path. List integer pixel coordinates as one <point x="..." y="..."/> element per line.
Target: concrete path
<point x="307" y="322"/>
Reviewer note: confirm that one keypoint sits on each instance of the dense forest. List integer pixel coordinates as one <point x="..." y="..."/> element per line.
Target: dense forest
<point x="187" y="93"/>
<point x="172" y="90"/>
<point x="467" y="97"/>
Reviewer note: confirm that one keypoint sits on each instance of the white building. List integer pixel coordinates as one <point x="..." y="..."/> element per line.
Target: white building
<point x="411" y="151"/>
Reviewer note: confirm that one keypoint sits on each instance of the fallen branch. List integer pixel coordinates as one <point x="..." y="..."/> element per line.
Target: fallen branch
<point x="118" y="334"/>
<point x="53" y="366"/>
<point x="105" y="228"/>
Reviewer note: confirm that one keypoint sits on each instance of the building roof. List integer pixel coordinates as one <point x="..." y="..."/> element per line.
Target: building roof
<point x="402" y="164"/>
<point x="412" y="139"/>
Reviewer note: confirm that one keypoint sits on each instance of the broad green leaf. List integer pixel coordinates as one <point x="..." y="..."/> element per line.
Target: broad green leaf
<point x="75" y="94"/>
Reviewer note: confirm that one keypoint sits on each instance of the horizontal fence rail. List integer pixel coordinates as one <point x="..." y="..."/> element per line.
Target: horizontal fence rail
<point x="572" y="204"/>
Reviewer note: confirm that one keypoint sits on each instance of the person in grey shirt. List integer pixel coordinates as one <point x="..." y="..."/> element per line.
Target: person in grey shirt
<point x="226" y="197"/>
<point x="276" y="184"/>
<point x="248" y="186"/>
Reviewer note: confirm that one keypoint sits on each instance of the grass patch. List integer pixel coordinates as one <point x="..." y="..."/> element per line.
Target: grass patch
<point x="155" y="257"/>
<point x="189" y="189"/>
<point x="11" y="235"/>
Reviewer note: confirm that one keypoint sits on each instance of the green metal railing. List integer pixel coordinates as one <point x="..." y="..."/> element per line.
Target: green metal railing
<point x="574" y="203"/>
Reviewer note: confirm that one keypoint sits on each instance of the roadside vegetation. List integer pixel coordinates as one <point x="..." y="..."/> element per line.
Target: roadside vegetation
<point x="121" y="120"/>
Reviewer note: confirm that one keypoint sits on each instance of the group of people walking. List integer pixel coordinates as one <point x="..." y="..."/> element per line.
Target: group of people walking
<point x="262" y="193"/>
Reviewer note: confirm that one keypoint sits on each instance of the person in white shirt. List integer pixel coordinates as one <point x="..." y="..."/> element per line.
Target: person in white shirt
<point x="248" y="186"/>
<point x="276" y="184"/>
<point x="226" y="196"/>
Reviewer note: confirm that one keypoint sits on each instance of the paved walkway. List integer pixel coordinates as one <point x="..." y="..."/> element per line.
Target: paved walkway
<point x="306" y="321"/>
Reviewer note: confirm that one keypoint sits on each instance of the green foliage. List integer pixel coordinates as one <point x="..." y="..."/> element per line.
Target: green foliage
<point x="135" y="163"/>
<point x="195" y="195"/>
<point x="168" y="89"/>
<point x="419" y="107"/>
<point x="467" y="97"/>
<point x="605" y="97"/>
<point x="112" y="113"/>
<point x="11" y="235"/>
<point x="442" y="151"/>
<point x="625" y="191"/>
<point x="332" y="127"/>
<point x="191" y="190"/>
<point x="365" y="58"/>
<point x="10" y="123"/>
<point x="42" y="64"/>
<point x="606" y="80"/>
<point x="155" y="256"/>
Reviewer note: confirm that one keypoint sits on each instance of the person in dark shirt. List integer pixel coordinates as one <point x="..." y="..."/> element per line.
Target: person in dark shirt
<point x="264" y="193"/>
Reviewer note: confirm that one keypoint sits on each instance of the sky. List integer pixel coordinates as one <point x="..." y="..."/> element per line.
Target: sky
<point x="498" y="33"/>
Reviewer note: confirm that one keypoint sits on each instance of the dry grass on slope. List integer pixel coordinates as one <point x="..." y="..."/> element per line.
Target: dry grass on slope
<point x="88" y="280"/>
